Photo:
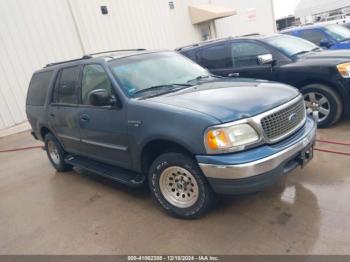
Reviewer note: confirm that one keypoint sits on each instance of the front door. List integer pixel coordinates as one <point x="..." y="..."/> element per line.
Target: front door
<point x="63" y="109"/>
<point x="244" y="60"/>
<point x="103" y="129"/>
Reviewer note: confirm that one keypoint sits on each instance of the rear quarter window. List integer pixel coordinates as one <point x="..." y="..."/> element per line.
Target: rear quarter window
<point x="38" y="87"/>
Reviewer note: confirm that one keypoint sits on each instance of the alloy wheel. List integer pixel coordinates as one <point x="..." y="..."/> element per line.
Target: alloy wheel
<point x="179" y="187"/>
<point x="317" y="103"/>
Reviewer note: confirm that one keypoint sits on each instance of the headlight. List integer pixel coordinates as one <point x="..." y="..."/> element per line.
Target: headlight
<point x="230" y="138"/>
<point x="344" y="70"/>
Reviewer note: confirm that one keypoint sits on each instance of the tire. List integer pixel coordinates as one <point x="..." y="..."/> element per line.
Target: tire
<point x="56" y="154"/>
<point x="177" y="177"/>
<point x="330" y="100"/>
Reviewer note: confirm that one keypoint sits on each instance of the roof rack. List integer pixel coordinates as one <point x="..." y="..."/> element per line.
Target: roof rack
<point x="112" y="51"/>
<point x="88" y="56"/>
<point x="252" y="34"/>
<point x="67" y="61"/>
<point x="203" y="43"/>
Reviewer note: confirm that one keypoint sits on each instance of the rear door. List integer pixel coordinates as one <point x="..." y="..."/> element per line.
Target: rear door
<point x="103" y="129"/>
<point x="63" y="109"/>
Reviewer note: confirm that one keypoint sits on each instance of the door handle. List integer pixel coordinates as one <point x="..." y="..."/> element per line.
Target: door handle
<point x="52" y="114"/>
<point x="233" y="74"/>
<point x="85" y="118"/>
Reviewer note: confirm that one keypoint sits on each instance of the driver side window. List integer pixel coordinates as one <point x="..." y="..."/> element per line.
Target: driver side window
<point x="94" y="77"/>
<point x="245" y="54"/>
<point x="314" y="36"/>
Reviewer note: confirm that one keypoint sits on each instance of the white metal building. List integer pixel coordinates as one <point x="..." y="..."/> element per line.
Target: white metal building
<point x="307" y="10"/>
<point x="36" y="32"/>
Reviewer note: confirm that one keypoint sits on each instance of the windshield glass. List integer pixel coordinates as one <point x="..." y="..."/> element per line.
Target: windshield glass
<point x="291" y="45"/>
<point x="338" y="32"/>
<point x="136" y="73"/>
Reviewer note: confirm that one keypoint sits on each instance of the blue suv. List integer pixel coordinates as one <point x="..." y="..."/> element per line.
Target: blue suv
<point x="137" y="116"/>
<point x="327" y="36"/>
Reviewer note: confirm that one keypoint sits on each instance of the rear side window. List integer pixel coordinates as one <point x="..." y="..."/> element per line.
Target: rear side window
<point x="314" y="36"/>
<point x="38" y="87"/>
<point x="213" y="57"/>
<point x="67" y="85"/>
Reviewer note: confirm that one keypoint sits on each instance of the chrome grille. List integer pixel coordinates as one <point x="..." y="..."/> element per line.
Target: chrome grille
<point x="282" y="122"/>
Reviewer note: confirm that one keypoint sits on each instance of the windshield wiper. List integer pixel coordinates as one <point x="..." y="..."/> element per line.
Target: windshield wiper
<point x="302" y="52"/>
<point x="198" y="78"/>
<point x="165" y="86"/>
<point x="316" y="49"/>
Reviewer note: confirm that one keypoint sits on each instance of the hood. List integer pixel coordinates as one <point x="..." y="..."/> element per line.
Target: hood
<point x="230" y="100"/>
<point x="328" y="56"/>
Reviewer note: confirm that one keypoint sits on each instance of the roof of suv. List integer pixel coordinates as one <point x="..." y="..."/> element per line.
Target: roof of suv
<point x="208" y="42"/>
<point x="297" y="28"/>
<point x="107" y="56"/>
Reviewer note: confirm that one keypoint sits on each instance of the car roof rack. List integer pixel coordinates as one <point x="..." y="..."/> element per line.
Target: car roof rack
<point x="252" y="34"/>
<point x="112" y="51"/>
<point x="67" y="61"/>
<point x="202" y="43"/>
<point x="88" y="56"/>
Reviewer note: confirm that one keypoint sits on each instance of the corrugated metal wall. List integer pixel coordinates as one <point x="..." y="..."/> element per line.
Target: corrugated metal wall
<point x="32" y="33"/>
<point x="128" y="24"/>
<point x="253" y="16"/>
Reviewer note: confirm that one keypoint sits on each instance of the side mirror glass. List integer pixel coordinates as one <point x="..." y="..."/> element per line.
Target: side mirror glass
<point x="325" y="43"/>
<point x="265" y="59"/>
<point x="101" y="97"/>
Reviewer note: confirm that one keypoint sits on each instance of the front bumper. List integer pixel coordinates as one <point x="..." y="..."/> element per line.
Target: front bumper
<point x="255" y="169"/>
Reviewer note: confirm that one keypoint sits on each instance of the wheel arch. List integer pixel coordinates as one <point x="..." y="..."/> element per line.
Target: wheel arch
<point x="336" y="89"/>
<point x="44" y="130"/>
<point x="152" y="149"/>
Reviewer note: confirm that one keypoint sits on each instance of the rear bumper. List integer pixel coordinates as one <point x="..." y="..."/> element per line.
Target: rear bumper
<point x="255" y="169"/>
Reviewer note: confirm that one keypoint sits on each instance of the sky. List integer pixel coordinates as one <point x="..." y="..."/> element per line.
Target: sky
<point x="284" y="7"/>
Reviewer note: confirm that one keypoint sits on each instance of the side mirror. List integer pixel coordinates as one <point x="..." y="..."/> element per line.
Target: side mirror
<point x="325" y="43"/>
<point x="100" y="97"/>
<point x="265" y="59"/>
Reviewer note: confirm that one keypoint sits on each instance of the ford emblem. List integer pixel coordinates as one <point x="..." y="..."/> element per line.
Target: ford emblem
<point x="292" y="117"/>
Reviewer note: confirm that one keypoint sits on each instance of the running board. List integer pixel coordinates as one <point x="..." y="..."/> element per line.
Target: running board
<point x="121" y="175"/>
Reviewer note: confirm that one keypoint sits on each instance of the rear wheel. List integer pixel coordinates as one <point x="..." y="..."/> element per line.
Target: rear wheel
<point x="178" y="186"/>
<point x="56" y="154"/>
<point x="323" y="101"/>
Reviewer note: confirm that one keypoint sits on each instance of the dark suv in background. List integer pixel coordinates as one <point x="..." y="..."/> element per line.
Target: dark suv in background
<point x="322" y="76"/>
<point x="134" y="116"/>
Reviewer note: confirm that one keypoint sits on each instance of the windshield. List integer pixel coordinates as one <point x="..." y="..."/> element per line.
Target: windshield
<point x="338" y="32"/>
<point x="291" y="45"/>
<point x="141" y="72"/>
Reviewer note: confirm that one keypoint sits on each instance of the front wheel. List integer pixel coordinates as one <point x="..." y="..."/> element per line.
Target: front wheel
<point x="178" y="186"/>
<point x="323" y="101"/>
